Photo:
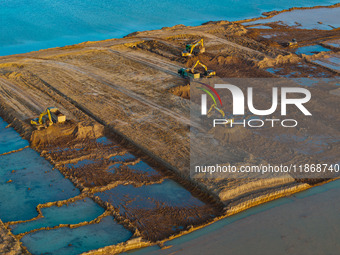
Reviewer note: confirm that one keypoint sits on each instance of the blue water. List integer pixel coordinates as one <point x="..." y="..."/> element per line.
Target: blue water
<point x="143" y="167"/>
<point x="9" y="139"/>
<point x="40" y="24"/>
<point x="123" y="158"/>
<point x="73" y="213"/>
<point x="26" y="180"/>
<point x="81" y="163"/>
<point x="68" y="241"/>
<point x="311" y="50"/>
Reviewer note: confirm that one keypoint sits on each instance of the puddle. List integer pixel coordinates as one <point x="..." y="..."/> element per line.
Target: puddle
<point x="158" y="210"/>
<point x="81" y="163"/>
<point x="112" y="169"/>
<point x="68" y="241"/>
<point x="123" y="158"/>
<point x="311" y="50"/>
<point x="331" y="62"/>
<point x="10" y="140"/>
<point x="103" y="140"/>
<point x="167" y="193"/>
<point x="333" y="43"/>
<point x="26" y="180"/>
<point x="143" y="167"/>
<point x="73" y="213"/>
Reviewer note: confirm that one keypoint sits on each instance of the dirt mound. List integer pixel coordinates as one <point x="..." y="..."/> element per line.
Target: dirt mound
<point x="229" y="66"/>
<point x="161" y="49"/>
<point x="279" y="60"/>
<point x="64" y="133"/>
<point x="181" y="91"/>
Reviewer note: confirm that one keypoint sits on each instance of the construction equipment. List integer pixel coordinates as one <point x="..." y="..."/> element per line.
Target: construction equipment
<point x="292" y="43"/>
<point x="190" y="72"/>
<point x="50" y="116"/>
<point x="189" y="48"/>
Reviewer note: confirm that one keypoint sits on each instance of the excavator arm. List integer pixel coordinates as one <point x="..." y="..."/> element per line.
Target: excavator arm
<point x="48" y="113"/>
<point x="200" y="42"/>
<point x="39" y="121"/>
<point x="198" y="63"/>
<point x="189" y="49"/>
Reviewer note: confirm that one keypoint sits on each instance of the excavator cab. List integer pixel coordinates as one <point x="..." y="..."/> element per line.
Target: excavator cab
<point x="292" y="43"/>
<point x="191" y="73"/>
<point x="189" y="48"/>
<point x="209" y="73"/>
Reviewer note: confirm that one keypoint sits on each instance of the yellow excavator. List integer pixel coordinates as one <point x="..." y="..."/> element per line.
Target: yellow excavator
<point x="189" y="48"/>
<point x="50" y="116"/>
<point x="292" y="43"/>
<point x="190" y="72"/>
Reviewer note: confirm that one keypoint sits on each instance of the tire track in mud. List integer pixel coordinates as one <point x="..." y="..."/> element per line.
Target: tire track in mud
<point x="234" y="45"/>
<point x="11" y="91"/>
<point x="147" y="62"/>
<point x="126" y="92"/>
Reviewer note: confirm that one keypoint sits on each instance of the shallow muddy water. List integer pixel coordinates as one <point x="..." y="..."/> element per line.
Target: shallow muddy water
<point x="73" y="213"/>
<point x="311" y="50"/>
<point x="168" y="193"/>
<point x="26" y="180"/>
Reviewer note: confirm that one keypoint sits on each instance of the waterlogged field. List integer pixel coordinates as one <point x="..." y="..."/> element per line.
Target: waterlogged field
<point x="28" y="180"/>
<point x="50" y="215"/>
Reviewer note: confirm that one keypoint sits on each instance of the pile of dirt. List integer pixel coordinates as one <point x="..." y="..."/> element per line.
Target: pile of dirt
<point x="181" y="91"/>
<point x="229" y="66"/>
<point x="161" y="49"/>
<point x="63" y="133"/>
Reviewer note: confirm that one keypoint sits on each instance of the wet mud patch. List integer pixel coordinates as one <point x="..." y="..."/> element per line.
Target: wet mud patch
<point x="300" y="70"/>
<point x="158" y="210"/>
